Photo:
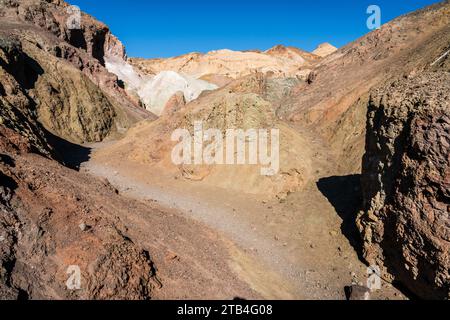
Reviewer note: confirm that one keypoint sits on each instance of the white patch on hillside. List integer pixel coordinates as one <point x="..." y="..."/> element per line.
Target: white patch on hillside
<point x="125" y="72"/>
<point x="156" y="91"/>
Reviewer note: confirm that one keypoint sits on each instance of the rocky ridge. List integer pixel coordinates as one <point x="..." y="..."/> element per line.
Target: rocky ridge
<point x="279" y="61"/>
<point x="65" y="72"/>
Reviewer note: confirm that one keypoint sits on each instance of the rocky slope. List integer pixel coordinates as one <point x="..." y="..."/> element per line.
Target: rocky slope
<point x="54" y="90"/>
<point x="17" y="110"/>
<point x="243" y="104"/>
<point x="49" y="218"/>
<point x="406" y="183"/>
<point x="53" y="218"/>
<point x="63" y="70"/>
<point x="41" y="201"/>
<point x="334" y="103"/>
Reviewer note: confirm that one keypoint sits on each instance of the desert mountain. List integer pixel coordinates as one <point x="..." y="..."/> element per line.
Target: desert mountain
<point x="334" y="104"/>
<point x="243" y="104"/>
<point x="279" y="229"/>
<point x="327" y="109"/>
<point x="55" y="221"/>
<point x="63" y="70"/>
<point x="279" y="61"/>
<point x="155" y="81"/>
<point x="324" y="49"/>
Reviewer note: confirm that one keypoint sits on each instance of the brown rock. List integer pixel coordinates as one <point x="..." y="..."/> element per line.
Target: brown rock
<point x="175" y="103"/>
<point x="406" y="182"/>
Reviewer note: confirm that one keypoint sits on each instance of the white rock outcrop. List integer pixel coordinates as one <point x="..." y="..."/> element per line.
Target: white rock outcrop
<point x="155" y="91"/>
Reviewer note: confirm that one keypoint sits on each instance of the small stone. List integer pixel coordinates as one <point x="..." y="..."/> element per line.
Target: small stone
<point x="2" y="238"/>
<point x="172" y="256"/>
<point x="83" y="226"/>
<point x="356" y="292"/>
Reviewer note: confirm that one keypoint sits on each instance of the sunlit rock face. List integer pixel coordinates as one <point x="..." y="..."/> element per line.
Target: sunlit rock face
<point x="406" y="181"/>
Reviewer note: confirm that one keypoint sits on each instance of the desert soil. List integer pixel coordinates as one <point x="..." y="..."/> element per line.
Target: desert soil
<point x="298" y="248"/>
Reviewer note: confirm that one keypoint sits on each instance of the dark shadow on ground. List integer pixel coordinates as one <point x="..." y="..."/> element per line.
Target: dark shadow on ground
<point x="7" y="160"/>
<point x="345" y="194"/>
<point x="7" y="184"/>
<point x="70" y="154"/>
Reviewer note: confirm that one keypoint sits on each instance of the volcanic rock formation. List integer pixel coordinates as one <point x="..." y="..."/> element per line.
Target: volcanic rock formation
<point x="63" y="70"/>
<point x="406" y="183"/>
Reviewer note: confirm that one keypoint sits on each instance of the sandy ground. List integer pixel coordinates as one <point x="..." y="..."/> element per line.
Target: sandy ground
<point x="300" y="248"/>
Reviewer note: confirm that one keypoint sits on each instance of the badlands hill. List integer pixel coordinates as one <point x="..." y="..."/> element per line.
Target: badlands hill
<point x="156" y="81"/>
<point x="322" y="120"/>
<point x="376" y="107"/>
<point x="63" y="70"/>
<point x="279" y="61"/>
<point x="55" y="90"/>
<point x="334" y="104"/>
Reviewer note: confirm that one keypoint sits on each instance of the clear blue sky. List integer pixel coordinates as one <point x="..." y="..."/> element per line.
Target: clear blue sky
<point x="173" y="27"/>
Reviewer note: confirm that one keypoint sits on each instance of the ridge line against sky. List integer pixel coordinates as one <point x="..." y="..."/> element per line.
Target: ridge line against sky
<point x="153" y="29"/>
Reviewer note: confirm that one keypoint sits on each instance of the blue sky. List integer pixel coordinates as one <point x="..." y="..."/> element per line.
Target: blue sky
<point x="168" y="28"/>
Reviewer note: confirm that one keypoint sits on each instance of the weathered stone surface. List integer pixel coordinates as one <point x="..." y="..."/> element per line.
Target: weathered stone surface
<point x="406" y="181"/>
<point x="62" y="70"/>
<point x="16" y="108"/>
<point x="41" y="204"/>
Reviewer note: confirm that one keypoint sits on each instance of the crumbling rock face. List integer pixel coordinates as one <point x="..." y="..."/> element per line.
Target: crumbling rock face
<point x="16" y="108"/>
<point x="54" y="16"/>
<point x="51" y="221"/>
<point x="63" y="72"/>
<point x="41" y="87"/>
<point x="69" y="104"/>
<point x="406" y="181"/>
